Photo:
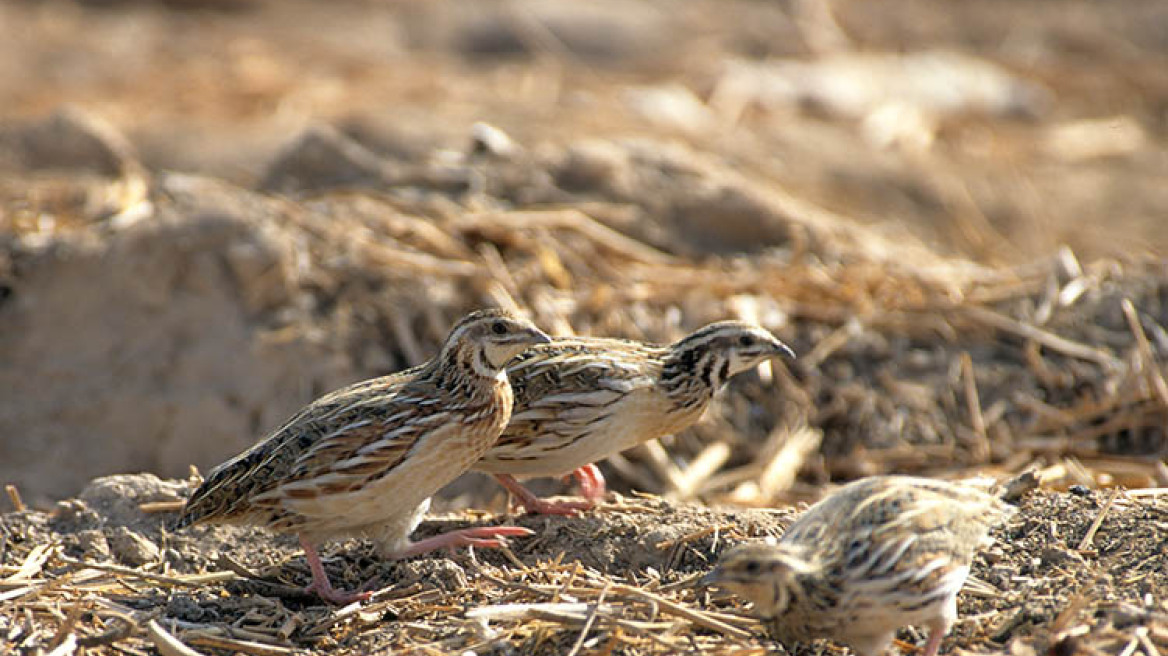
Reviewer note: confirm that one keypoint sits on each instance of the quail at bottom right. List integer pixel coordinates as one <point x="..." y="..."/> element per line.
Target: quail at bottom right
<point x="877" y="554"/>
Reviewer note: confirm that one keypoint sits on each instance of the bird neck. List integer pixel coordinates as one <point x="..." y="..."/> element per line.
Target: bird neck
<point x="466" y="367"/>
<point x="691" y="374"/>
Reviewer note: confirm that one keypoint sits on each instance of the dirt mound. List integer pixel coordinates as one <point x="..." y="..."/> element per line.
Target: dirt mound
<point x="112" y="340"/>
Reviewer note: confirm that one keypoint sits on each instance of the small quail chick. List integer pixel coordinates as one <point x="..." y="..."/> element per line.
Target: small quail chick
<point x="877" y="554"/>
<point x="365" y="459"/>
<point x="580" y="400"/>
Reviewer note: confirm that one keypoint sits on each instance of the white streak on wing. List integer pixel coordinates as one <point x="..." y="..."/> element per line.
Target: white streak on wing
<point x="340" y="431"/>
<point x="398" y="416"/>
<point x="928" y="568"/>
<point x="954" y="580"/>
<point x="898" y="547"/>
<point x="605" y="365"/>
<point x="924" y="507"/>
<point x="913" y="574"/>
<point x="536" y="414"/>
<point x="873" y="566"/>
<point x="557" y="414"/>
<point x="397" y="434"/>
<point x="391" y="497"/>
<point x="595" y="398"/>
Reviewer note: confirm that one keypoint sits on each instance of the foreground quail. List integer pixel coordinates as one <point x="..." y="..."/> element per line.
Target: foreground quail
<point x="580" y="400"/>
<point x="878" y="554"/>
<point x="365" y="459"/>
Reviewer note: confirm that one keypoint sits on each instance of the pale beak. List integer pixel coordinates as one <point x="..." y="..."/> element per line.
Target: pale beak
<point x="782" y="349"/>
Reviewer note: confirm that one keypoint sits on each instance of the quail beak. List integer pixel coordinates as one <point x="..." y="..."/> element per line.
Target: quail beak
<point x="778" y="348"/>
<point x="714" y="577"/>
<point x="531" y="336"/>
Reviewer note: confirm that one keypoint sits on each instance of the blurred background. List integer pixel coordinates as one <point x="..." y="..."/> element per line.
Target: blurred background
<point x="213" y="211"/>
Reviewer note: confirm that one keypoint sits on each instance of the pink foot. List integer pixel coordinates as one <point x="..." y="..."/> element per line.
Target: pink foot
<point x="536" y="505"/>
<point x="321" y="586"/>
<point x="591" y="482"/>
<point x="485" y="536"/>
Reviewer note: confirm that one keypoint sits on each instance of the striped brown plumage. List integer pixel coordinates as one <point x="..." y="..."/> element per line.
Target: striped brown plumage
<point x="580" y="400"/>
<point x="876" y="555"/>
<point x="365" y="459"/>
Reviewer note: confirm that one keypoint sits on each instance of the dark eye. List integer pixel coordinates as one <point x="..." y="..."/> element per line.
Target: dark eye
<point x="746" y="340"/>
<point x="752" y="567"/>
<point x="499" y="328"/>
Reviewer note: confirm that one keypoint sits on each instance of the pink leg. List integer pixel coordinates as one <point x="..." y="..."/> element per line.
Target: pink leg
<point x="591" y="482"/>
<point x="937" y="633"/>
<point x="486" y="536"/>
<point x="320" y="582"/>
<point x="538" y="506"/>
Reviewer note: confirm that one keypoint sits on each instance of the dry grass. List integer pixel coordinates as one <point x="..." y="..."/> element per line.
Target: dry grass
<point x="1066" y="571"/>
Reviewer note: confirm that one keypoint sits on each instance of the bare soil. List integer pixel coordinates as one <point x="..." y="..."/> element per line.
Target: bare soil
<point x="1081" y="570"/>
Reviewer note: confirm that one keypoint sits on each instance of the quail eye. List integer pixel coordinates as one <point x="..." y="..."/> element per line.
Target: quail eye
<point x="499" y="328"/>
<point x="752" y="567"/>
<point x="746" y="340"/>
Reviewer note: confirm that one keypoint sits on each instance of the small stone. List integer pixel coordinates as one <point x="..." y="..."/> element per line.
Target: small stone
<point x="490" y="140"/>
<point x="1058" y="556"/>
<point x="174" y="557"/>
<point x="74" y="139"/>
<point x="74" y="515"/>
<point x="595" y="166"/>
<point x="323" y="157"/>
<point x="93" y="545"/>
<point x="183" y="607"/>
<point x="994" y="555"/>
<point x="131" y="548"/>
<point x="116" y="499"/>
<point x="1001" y="575"/>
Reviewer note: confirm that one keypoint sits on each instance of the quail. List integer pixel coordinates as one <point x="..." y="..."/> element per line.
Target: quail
<point x="365" y="459"/>
<point x="579" y="400"/>
<point x="878" y="554"/>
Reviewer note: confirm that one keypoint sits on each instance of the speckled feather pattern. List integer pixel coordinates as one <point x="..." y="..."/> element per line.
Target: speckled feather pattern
<point x="877" y="554"/>
<point x="363" y="459"/>
<point x="579" y="400"/>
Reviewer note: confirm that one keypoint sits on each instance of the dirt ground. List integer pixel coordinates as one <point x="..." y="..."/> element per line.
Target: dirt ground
<point x="1072" y="572"/>
<point x="213" y="211"/>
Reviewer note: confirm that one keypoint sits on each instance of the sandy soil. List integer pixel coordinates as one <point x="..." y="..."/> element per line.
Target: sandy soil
<point x="1071" y="571"/>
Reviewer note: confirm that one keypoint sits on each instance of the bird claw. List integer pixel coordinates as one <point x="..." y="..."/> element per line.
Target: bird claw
<point x="537" y="506"/>
<point x="592" y="484"/>
<point x="485" y="543"/>
<point x="489" y="532"/>
<point x="333" y="596"/>
<point x="483" y="536"/>
<point x="486" y="537"/>
<point x="321" y="586"/>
